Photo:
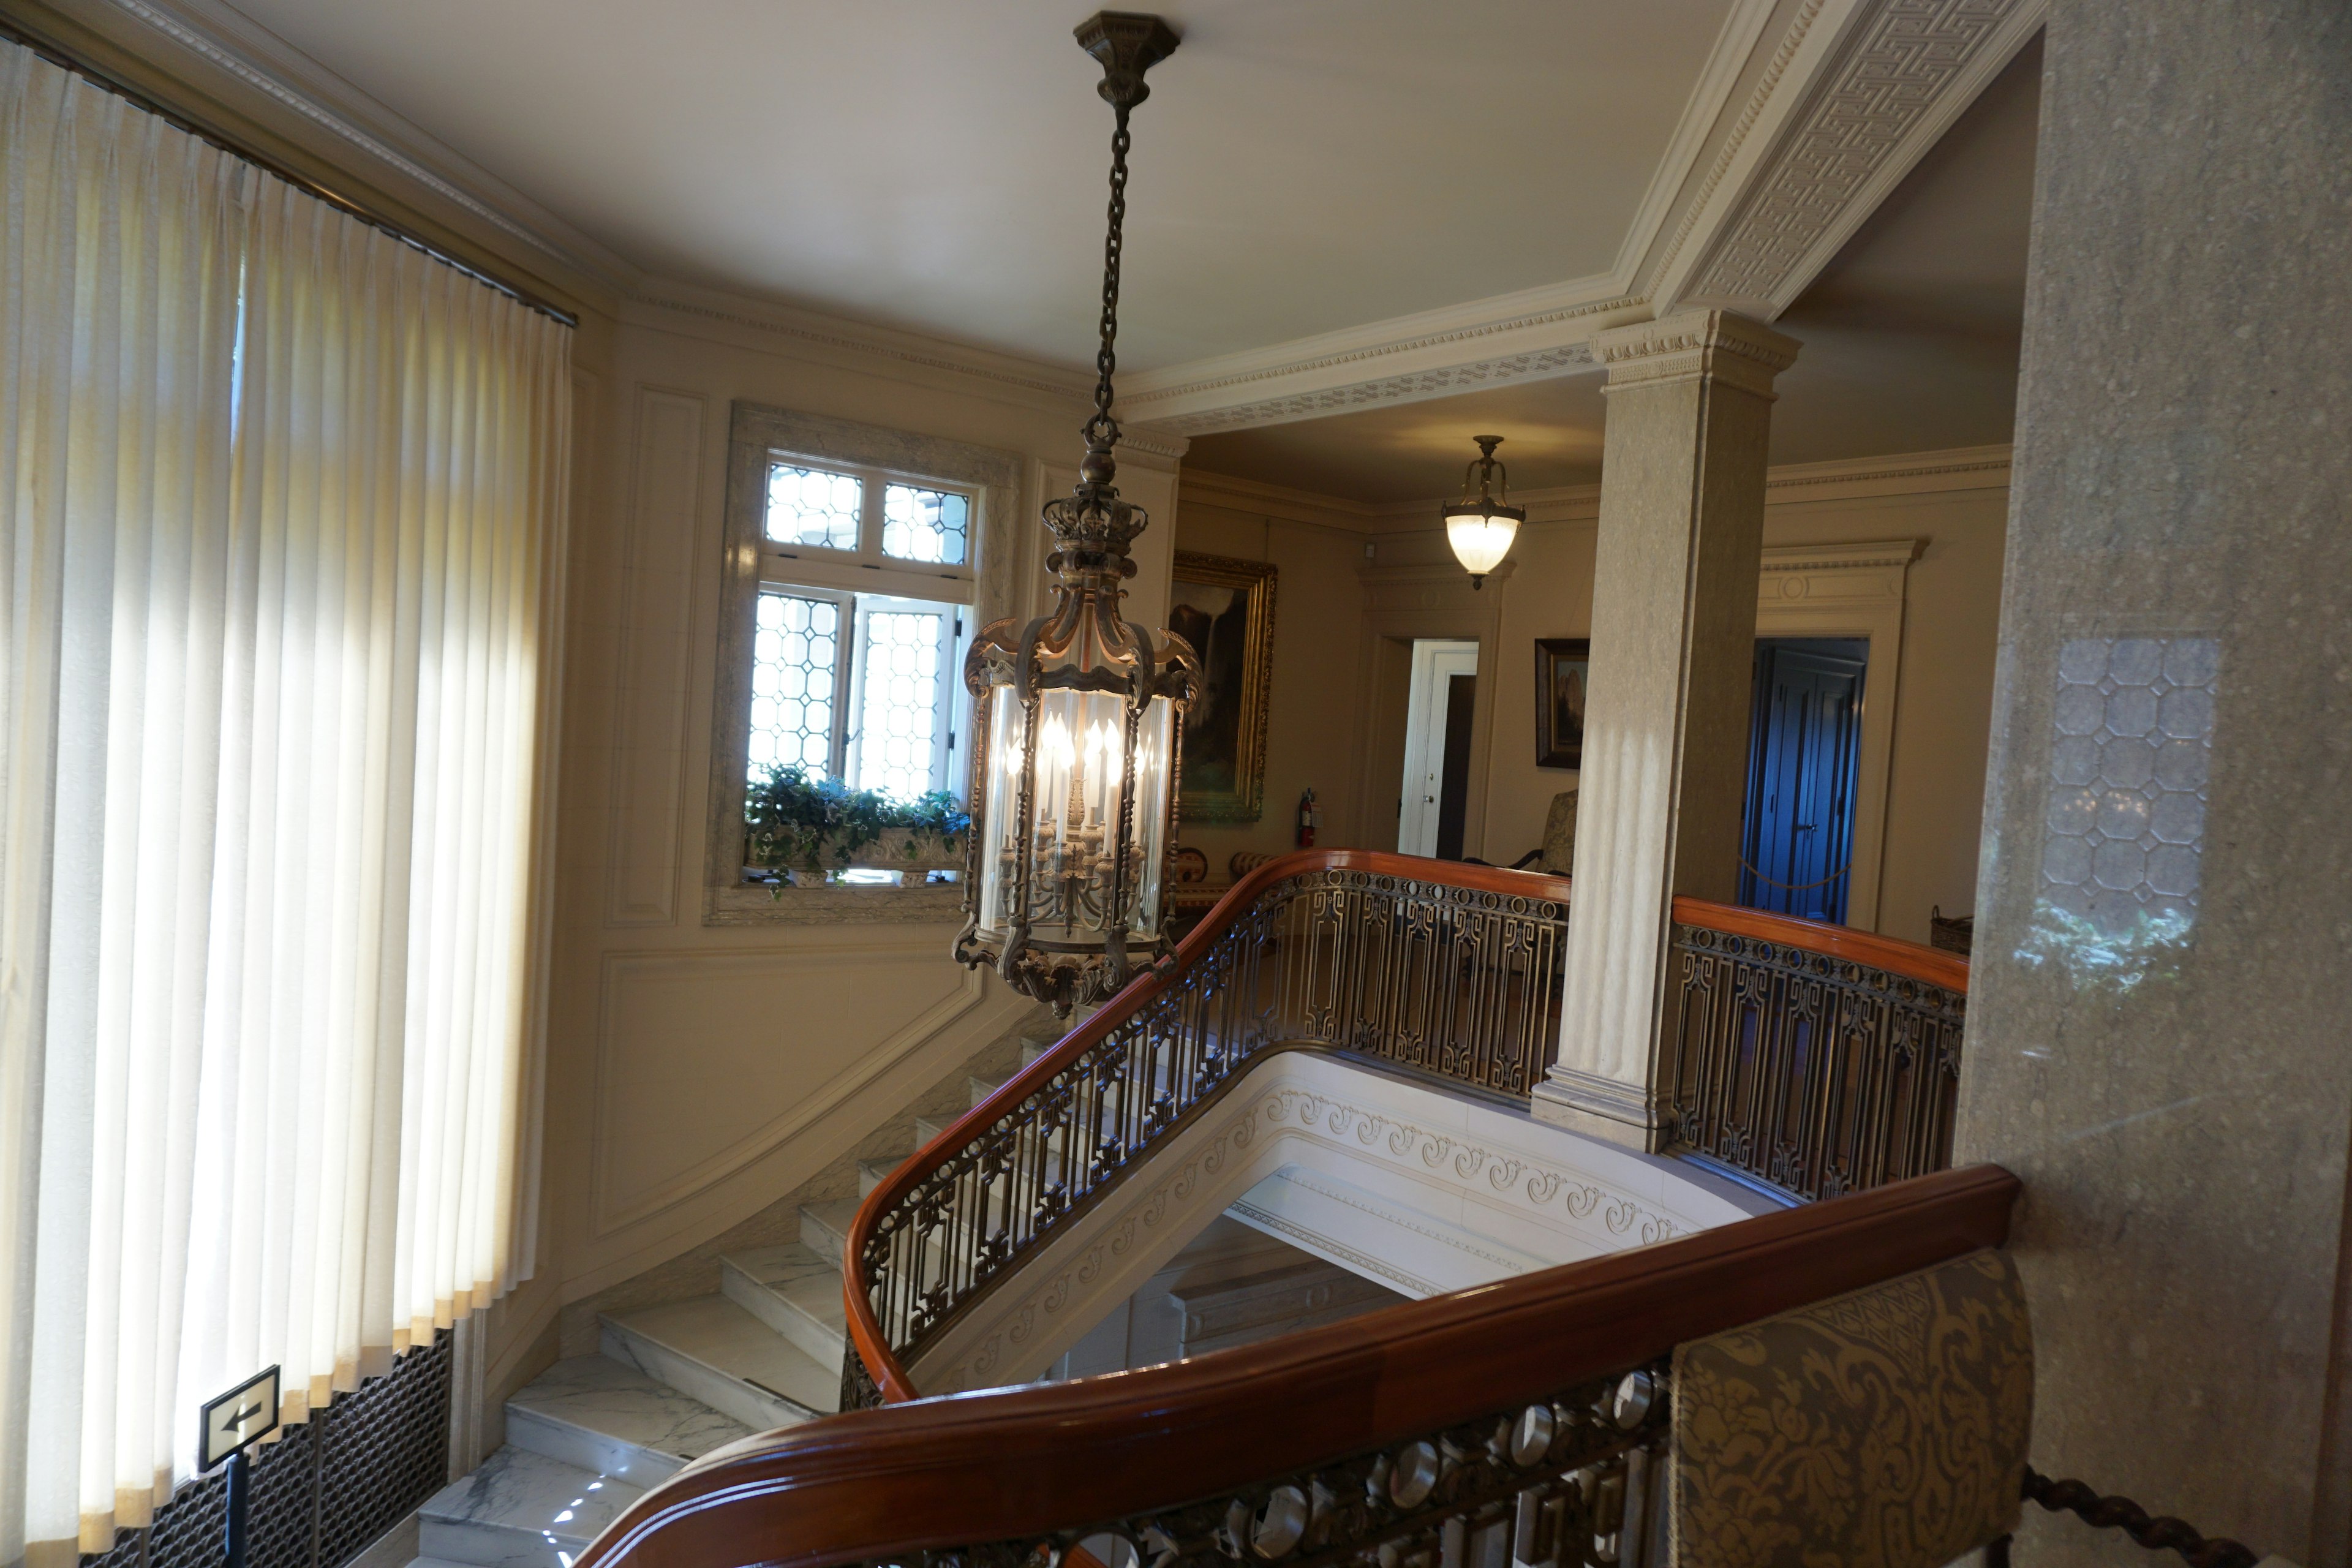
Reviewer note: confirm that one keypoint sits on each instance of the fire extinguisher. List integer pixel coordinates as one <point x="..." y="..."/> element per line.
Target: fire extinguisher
<point x="1307" y="817"/>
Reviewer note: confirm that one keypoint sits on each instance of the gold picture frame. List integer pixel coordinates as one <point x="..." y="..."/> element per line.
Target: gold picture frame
<point x="1225" y="608"/>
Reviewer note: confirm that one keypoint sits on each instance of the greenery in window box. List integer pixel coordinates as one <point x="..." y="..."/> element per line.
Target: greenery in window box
<point x="794" y="822"/>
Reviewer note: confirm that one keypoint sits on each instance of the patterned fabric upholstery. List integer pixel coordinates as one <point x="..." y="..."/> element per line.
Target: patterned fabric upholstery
<point x="1884" y="1429"/>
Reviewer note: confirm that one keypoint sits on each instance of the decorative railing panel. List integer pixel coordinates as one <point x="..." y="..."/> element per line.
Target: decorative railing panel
<point x="1565" y="1481"/>
<point x="1801" y="1063"/>
<point x="1520" y="1422"/>
<point x="1447" y="969"/>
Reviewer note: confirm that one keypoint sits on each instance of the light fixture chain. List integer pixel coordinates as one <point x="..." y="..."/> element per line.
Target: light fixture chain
<point x="1106" y="357"/>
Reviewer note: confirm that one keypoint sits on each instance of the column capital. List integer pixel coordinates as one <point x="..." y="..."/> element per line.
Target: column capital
<point x="1691" y="345"/>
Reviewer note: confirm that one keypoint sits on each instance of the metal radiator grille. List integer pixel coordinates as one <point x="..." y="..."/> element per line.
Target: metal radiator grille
<point x="324" y="1491"/>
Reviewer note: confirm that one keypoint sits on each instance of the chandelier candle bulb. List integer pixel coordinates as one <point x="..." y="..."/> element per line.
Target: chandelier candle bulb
<point x="1076" y="823"/>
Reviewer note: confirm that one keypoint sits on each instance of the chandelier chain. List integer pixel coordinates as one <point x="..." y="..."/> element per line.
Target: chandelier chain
<point x="1106" y="357"/>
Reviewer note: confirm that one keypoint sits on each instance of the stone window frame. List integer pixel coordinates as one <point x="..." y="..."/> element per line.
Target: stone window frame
<point x="756" y="435"/>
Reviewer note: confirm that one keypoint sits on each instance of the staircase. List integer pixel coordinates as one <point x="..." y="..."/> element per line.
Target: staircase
<point x="670" y="1383"/>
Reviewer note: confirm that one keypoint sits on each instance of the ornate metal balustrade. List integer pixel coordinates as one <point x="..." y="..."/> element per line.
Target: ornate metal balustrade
<point x="1817" y="1060"/>
<point x="1447" y="969"/>
<point x="1569" y="1481"/>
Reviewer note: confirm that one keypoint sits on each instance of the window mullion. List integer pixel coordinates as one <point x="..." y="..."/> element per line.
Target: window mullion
<point x="846" y="673"/>
<point x="870" y="524"/>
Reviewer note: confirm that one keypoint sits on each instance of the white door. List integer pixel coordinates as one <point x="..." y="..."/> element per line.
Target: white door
<point x="1434" y="664"/>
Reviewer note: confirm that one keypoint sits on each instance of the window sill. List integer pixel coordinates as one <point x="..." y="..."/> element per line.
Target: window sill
<point x="751" y="904"/>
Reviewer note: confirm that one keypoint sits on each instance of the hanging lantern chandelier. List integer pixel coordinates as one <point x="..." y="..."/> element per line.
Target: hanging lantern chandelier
<point x="1481" y="527"/>
<point x="1078" y="717"/>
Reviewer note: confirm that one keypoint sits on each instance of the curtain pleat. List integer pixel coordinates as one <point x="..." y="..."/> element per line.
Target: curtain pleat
<point x="279" y="497"/>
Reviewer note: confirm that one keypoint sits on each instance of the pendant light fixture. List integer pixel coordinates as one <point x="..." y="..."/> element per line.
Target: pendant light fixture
<point x="1078" y="716"/>
<point x="1481" y="527"/>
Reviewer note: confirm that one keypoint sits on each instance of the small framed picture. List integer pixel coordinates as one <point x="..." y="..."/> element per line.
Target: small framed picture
<point x="1563" y="670"/>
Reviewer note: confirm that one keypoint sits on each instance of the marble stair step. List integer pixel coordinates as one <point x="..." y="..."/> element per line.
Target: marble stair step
<point x="794" y="1290"/>
<point x="872" y="1174"/>
<point x="824" y="1228"/>
<point x="521" y="1509"/>
<point x="607" y="1417"/>
<point x="710" y="1348"/>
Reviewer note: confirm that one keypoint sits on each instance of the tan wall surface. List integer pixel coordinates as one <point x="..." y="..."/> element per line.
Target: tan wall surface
<point x="1936" y="777"/>
<point x="1312" y="713"/>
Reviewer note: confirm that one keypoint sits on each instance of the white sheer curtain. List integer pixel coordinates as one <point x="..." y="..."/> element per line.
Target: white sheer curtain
<point x="279" y="498"/>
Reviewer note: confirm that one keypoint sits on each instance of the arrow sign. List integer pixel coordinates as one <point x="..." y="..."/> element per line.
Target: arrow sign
<point x="238" y="1418"/>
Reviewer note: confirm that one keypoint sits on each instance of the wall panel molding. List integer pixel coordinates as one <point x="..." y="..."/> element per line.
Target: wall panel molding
<point x="881" y="965"/>
<point x="1851" y="590"/>
<point x="649" y="696"/>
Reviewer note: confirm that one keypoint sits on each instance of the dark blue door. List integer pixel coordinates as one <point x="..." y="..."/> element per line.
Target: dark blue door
<point x="1797" y="853"/>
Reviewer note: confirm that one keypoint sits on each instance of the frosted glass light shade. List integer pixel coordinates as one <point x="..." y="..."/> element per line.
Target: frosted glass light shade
<point x="1482" y="537"/>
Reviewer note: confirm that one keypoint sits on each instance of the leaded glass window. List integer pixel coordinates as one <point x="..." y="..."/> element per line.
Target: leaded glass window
<point x="811" y="506"/>
<point x="796" y="669"/>
<point x="903" y="696"/>
<point x="920" y="524"/>
<point x="864" y="577"/>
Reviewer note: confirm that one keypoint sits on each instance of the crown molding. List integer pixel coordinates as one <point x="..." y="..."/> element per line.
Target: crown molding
<point x="1528" y="335"/>
<point x="1525" y="336"/>
<point x="1904" y="474"/>
<point x="1844" y="98"/>
<point x="1691" y="345"/>
<point x="1868" y="87"/>
<point x="211" y="49"/>
<point x="1233" y="493"/>
<point x="1790" y="484"/>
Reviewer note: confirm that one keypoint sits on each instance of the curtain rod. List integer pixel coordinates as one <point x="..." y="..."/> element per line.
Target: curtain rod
<point x="15" y="33"/>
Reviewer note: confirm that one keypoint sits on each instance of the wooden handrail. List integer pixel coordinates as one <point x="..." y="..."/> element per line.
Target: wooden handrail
<point x="1908" y="959"/>
<point x="865" y="1335"/>
<point x="1019" y="1463"/>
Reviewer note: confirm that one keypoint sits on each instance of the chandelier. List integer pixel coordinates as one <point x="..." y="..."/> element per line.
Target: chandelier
<point x="1078" y="716"/>
<point x="1481" y="527"/>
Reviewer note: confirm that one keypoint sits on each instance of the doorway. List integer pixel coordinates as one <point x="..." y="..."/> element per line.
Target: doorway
<point x="1439" y="706"/>
<point x="1804" y="756"/>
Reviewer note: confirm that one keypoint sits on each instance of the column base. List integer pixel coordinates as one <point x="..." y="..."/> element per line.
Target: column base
<point x="1601" y="1108"/>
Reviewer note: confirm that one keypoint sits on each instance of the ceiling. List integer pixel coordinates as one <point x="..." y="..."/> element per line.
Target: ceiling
<point x="1911" y="338"/>
<point x="938" y="165"/>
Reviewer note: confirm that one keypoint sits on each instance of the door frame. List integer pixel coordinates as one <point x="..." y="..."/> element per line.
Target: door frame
<point x="1851" y="590"/>
<point x="1411" y="604"/>
<point x="1421" y="706"/>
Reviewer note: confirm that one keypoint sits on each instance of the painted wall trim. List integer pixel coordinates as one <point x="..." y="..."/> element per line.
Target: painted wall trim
<point x="610" y="1212"/>
<point x="1851" y="590"/>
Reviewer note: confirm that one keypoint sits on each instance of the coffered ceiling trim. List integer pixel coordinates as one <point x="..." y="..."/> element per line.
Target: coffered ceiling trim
<point x="1530" y="336"/>
<point x="1851" y="95"/>
<point x="1889" y="81"/>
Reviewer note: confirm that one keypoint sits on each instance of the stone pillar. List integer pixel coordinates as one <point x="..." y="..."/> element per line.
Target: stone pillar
<point x="2157" y="1041"/>
<point x="1666" y="723"/>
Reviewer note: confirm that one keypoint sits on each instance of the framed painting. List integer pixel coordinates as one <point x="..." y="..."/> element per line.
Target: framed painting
<point x="1563" y="668"/>
<point x="1225" y="608"/>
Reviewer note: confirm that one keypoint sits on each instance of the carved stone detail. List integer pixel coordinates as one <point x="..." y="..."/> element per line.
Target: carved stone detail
<point x="1896" y="80"/>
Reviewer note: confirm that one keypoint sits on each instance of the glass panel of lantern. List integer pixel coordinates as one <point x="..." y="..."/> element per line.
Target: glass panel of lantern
<point x="1083" y="776"/>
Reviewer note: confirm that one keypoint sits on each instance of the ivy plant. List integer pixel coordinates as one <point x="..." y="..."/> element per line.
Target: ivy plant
<point x="796" y="820"/>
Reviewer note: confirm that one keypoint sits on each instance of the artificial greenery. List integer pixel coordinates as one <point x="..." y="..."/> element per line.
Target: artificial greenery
<point x="796" y="820"/>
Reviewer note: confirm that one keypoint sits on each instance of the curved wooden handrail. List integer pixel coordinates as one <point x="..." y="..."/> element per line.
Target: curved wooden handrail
<point x="866" y="1334"/>
<point x="1023" y="1462"/>
<point x="1893" y="954"/>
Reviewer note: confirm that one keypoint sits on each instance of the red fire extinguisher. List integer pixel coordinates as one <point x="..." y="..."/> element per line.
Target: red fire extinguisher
<point x="1307" y="817"/>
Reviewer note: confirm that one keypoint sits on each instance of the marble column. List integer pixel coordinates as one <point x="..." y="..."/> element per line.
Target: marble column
<point x="1666" y="723"/>
<point x="2157" y="1041"/>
